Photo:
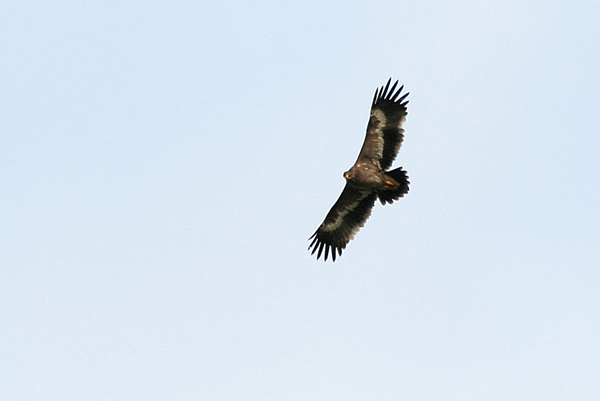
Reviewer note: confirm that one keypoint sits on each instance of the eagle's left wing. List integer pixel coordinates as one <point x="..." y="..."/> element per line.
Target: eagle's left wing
<point x="346" y="217"/>
<point x="384" y="131"/>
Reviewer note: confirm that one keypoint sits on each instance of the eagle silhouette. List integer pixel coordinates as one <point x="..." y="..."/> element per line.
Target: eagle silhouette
<point x="368" y="179"/>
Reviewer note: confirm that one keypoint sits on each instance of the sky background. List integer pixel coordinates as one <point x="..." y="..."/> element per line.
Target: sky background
<point x="164" y="163"/>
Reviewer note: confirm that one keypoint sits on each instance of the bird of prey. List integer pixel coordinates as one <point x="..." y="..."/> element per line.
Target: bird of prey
<point x="369" y="178"/>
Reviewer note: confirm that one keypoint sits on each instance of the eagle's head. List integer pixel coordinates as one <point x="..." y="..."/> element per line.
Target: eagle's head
<point x="348" y="175"/>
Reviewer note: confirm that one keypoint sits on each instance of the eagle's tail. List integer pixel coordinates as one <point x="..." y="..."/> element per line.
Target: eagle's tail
<point x="390" y="195"/>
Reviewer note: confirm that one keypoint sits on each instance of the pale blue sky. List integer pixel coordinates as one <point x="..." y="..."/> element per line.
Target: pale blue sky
<point x="163" y="164"/>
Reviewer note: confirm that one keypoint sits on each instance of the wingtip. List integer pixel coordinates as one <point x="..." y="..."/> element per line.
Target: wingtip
<point x="321" y="248"/>
<point x="386" y="92"/>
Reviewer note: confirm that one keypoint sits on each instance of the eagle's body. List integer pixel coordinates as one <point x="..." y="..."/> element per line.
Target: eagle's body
<point x="369" y="178"/>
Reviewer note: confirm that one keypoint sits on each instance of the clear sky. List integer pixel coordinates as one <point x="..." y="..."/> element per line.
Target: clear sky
<point x="164" y="163"/>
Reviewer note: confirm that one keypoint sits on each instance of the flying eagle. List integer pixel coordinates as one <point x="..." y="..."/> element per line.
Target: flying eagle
<point x="368" y="179"/>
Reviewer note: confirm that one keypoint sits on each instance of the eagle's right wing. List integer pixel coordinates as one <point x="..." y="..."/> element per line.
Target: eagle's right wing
<point x="384" y="131"/>
<point x="346" y="217"/>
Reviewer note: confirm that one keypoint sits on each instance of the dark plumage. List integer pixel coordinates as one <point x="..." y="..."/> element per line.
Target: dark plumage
<point x="368" y="179"/>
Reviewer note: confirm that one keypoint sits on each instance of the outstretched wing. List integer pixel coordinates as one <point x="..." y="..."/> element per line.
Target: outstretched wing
<point x="384" y="131"/>
<point x="346" y="217"/>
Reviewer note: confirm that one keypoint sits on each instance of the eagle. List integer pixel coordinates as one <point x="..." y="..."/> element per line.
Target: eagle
<point x="369" y="178"/>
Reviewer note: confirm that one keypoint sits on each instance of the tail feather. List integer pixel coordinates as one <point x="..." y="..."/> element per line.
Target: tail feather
<point x="390" y="195"/>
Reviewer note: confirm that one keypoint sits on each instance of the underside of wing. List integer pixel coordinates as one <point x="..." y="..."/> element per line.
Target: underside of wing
<point x="346" y="217"/>
<point x="384" y="131"/>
